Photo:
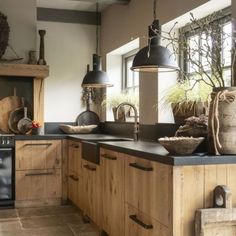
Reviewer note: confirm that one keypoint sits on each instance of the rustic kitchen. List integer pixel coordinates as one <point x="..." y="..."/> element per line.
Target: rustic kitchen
<point x="117" y="118"/>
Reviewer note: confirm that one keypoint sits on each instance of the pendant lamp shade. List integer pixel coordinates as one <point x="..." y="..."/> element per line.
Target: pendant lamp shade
<point x="154" y="57"/>
<point x="96" y="77"/>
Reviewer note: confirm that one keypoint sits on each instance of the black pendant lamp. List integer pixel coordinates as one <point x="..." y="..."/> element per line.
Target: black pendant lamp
<point x="96" y="77"/>
<point x="154" y="57"/>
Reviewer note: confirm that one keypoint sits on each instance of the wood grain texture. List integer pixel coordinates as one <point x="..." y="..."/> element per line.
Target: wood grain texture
<point x="148" y="191"/>
<point x="38" y="187"/>
<point x="216" y="222"/>
<point x="74" y="157"/>
<point x="132" y="228"/>
<point x="92" y="192"/>
<point x="38" y="154"/>
<point x="24" y="70"/>
<point x="64" y="150"/>
<point x="113" y="186"/>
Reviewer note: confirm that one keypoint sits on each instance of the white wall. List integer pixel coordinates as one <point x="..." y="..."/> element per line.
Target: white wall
<point x="68" y="49"/>
<point x="22" y="20"/>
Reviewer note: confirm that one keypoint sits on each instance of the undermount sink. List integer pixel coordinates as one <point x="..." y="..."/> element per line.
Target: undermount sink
<point x="91" y="149"/>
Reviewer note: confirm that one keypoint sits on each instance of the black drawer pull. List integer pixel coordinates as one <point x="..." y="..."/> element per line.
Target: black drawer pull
<point x="139" y="222"/>
<point x="39" y="173"/>
<point x="74" y="178"/>
<point x="135" y="165"/>
<point x="112" y="158"/>
<point x="38" y="144"/>
<point x="74" y="146"/>
<point x="90" y="167"/>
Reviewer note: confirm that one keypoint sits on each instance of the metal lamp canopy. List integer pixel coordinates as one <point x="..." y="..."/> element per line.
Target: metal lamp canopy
<point x="154" y="57"/>
<point x="96" y="78"/>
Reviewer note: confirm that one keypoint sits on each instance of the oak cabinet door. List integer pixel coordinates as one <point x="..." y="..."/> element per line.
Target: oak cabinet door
<point x="75" y="160"/>
<point x="92" y="191"/>
<point x="147" y="187"/>
<point x="38" y="154"/>
<point x="113" y="202"/>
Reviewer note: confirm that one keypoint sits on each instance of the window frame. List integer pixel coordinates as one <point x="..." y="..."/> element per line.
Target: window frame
<point x="224" y="17"/>
<point x="125" y="58"/>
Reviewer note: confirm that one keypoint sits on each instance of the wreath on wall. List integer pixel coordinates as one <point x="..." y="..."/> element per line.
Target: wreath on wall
<point x="4" y="34"/>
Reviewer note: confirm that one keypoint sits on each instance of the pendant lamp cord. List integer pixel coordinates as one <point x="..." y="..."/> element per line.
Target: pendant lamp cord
<point x="154" y="9"/>
<point x="97" y="16"/>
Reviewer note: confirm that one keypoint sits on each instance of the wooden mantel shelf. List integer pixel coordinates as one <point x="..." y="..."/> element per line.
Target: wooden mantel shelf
<point x="24" y="70"/>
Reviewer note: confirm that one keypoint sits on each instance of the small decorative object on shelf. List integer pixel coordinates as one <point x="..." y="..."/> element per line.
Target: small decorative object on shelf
<point x="41" y="60"/>
<point x="37" y="129"/>
<point x="32" y="58"/>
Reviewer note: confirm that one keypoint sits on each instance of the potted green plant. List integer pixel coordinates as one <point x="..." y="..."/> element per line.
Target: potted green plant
<point x="111" y="102"/>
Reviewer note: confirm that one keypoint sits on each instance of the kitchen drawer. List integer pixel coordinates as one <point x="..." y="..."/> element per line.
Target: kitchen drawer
<point x="38" y="154"/>
<point x="139" y="224"/>
<point x="74" y="157"/>
<point x="147" y="187"/>
<point x="38" y="184"/>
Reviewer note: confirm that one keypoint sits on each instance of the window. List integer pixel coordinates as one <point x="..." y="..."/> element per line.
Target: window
<point x="130" y="82"/>
<point x="206" y="48"/>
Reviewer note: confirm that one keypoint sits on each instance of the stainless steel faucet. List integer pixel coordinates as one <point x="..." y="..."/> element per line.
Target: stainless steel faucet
<point x="136" y="126"/>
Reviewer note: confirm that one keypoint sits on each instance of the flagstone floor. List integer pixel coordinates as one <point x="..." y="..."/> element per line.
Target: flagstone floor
<point x="44" y="221"/>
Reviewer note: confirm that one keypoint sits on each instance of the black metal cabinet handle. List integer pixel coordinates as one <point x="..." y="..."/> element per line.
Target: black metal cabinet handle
<point x="38" y="144"/>
<point x="112" y="158"/>
<point x="39" y="173"/>
<point x="74" y="145"/>
<point x="135" y="165"/>
<point x="90" y="167"/>
<point x="139" y="222"/>
<point x="74" y="178"/>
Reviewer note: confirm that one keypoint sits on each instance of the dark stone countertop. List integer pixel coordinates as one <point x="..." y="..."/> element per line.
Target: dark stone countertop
<point x="155" y="152"/>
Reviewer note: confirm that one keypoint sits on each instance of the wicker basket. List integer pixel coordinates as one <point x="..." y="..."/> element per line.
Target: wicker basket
<point x="4" y="34"/>
<point x="180" y="145"/>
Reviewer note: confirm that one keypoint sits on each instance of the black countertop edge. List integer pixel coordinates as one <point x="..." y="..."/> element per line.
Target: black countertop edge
<point x="162" y="156"/>
<point x="75" y="137"/>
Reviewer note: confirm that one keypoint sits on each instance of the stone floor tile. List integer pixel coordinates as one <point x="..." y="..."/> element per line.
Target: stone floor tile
<point x="41" y="222"/>
<point x="52" y="231"/>
<point x="75" y="219"/>
<point x="83" y="230"/>
<point x="9" y="214"/>
<point x="46" y="211"/>
<point x="10" y="226"/>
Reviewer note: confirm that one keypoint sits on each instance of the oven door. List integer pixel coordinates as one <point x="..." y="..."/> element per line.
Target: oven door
<point x="6" y="175"/>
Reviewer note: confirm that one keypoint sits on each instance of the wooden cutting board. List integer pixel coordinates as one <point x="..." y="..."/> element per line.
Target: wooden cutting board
<point x="220" y="220"/>
<point x="8" y="104"/>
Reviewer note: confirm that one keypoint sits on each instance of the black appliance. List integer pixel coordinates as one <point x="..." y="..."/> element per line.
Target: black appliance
<point x="7" y="170"/>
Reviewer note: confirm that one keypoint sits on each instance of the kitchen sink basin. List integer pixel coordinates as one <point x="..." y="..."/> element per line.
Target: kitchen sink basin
<point x="91" y="148"/>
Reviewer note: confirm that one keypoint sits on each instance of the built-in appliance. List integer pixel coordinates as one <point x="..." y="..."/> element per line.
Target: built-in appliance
<point x="7" y="170"/>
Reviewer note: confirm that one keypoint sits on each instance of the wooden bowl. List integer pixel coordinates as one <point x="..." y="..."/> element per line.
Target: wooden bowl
<point x="180" y="145"/>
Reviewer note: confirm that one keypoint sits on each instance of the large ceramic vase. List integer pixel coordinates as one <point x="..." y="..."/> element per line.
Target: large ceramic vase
<point x="222" y="121"/>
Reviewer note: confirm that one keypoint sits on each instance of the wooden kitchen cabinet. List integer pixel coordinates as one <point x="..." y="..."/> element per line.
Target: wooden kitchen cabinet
<point x="38" y="173"/>
<point x="113" y="202"/>
<point x="92" y="191"/>
<point x="75" y="178"/>
<point x="148" y="188"/>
